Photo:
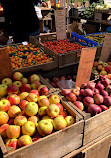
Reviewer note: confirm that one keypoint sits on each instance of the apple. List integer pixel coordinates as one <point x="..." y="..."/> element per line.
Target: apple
<point x="104" y="93"/>
<point x="14" y="99"/>
<point x="105" y="64"/>
<point x="44" y="102"/>
<point x="35" y="85"/>
<point x="98" y="99"/>
<point x="55" y="79"/>
<point x="32" y="97"/>
<point x="108" y="68"/>
<point x="59" y="123"/>
<point x="17" y="76"/>
<point x="47" y="118"/>
<point x="28" y="128"/>
<point x="71" y="97"/>
<point x="34" y="119"/>
<point x="7" y="81"/>
<point x="103" y="107"/>
<point x="18" y="83"/>
<point x="34" y="77"/>
<point x="64" y="92"/>
<point x="96" y="91"/>
<point x="99" y="67"/>
<point x="81" y="92"/>
<point x="100" y="62"/>
<point x="94" y="109"/>
<point x="62" y="78"/>
<point x="53" y="99"/>
<point x="24" y="81"/>
<point x="31" y="109"/>
<point x="54" y="84"/>
<point x="12" y="143"/>
<point x="23" y="104"/>
<point x="79" y="98"/>
<point x="60" y="106"/>
<point x="79" y="105"/>
<point x="88" y="93"/>
<point x="107" y="101"/>
<point x="23" y="95"/>
<point x="103" y="72"/>
<point x="91" y="85"/>
<point x="69" y="120"/>
<point x="3" y="90"/>
<point x="12" y="89"/>
<point x="11" y="121"/>
<point x="99" y="86"/>
<point x="108" y="76"/>
<point x="36" y="137"/>
<point x="53" y="110"/>
<point x="4" y="105"/>
<point x="14" y="111"/>
<point x="42" y="111"/>
<point x="44" y="127"/>
<point x="35" y="92"/>
<point x="3" y="118"/>
<point x="43" y="90"/>
<point x="83" y="86"/>
<point x="41" y="97"/>
<point x="108" y="88"/>
<point x="20" y="120"/>
<point x="105" y="81"/>
<point x="13" y="131"/>
<point x="95" y="63"/>
<point x="87" y="101"/>
<point x="25" y="88"/>
<point x="76" y="91"/>
<point x="24" y="140"/>
<point x="63" y="114"/>
<point x="3" y="130"/>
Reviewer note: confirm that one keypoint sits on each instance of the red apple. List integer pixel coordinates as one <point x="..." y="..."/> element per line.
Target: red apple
<point x="87" y="101"/>
<point x="32" y="97"/>
<point x="82" y="92"/>
<point x="3" y="130"/>
<point x="35" y="85"/>
<point x="96" y="91"/>
<point x="79" y="105"/>
<point x="94" y="109"/>
<point x="79" y="98"/>
<point x="60" y="106"/>
<point x="99" y="67"/>
<point x="99" y="86"/>
<point x="14" y="99"/>
<point x="88" y="93"/>
<point x="91" y="85"/>
<point x="108" y="88"/>
<point x="103" y="107"/>
<point x="105" y="81"/>
<point x="54" y="84"/>
<point x="83" y="86"/>
<point x="36" y="137"/>
<point x="43" y="102"/>
<point x="43" y="90"/>
<point x="98" y="99"/>
<point x="14" y="111"/>
<point x="107" y="101"/>
<point x="12" y="89"/>
<point x="95" y="63"/>
<point x="71" y="97"/>
<point x="63" y="113"/>
<point x="35" y="92"/>
<point x="64" y="92"/>
<point x="13" y="131"/>
<point x="76" y="91"/>
<point x="104" y="93"/>
<point x="23" y="104"/>
<point x="108" y="68"/>
<point x="11" y="121"/>
<point x="25" y="88"/>
<point x="11" y="143"/>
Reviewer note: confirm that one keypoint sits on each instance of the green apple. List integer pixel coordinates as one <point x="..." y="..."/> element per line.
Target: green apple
<point x="34" y="77"/>
<point x="53" y="99"/>
<point x="44" y="127"/>
<point x="59" y="123"/>
<point x="53" y="110"/>
<point x="3" y="90"/>
<point x="31" y="109"/>
<point x="18" y="83"/>
<point x="17" y="76"/>
<point x="105" y="64"/>
<point x="28" y="128"/>
<point x="69" y="120"/>
<point x="42" y="111"/>
<point x="7" y="81"/>
<point x="103" y="72"/>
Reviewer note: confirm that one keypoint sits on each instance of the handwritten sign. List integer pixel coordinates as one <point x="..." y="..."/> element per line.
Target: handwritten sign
<point x="106" y="49"/>
<point x="60" y="24"/>
<point x="5" y="64"/>
<point x="85" y="66"/>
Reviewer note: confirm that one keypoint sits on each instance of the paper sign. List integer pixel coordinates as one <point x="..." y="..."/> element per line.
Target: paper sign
<point x="85" y="66"/>
<point x="60" y="24"/>
<point x="5" y="64"/>
<point x="106" y="49"/>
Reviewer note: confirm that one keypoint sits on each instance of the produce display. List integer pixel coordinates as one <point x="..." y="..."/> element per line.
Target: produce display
<point x="26" y="112"/>
<point x="97" y="37"/>
<point x="28" y="55"/>
<point x="102" y="68"/>
<point x="63" y="46"/>
<point x="93" y="97"/>
<point x="103" y="7"/>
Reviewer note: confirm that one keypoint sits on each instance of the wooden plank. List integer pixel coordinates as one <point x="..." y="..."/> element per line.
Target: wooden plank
<point x="85" y="66"/>
<point x="106" y="48"/>
<point x="5" y="64"/>
<point x="60" y="24"/>
<point x="2" y="146"/>
<point x="97" y="126"/>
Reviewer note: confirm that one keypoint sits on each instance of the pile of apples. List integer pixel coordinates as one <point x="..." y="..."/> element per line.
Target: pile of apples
<point x="28" y="115"/>
<point x="93" y="97"/>
<point x="102" y="68"/>
<point x="54" y="80"/>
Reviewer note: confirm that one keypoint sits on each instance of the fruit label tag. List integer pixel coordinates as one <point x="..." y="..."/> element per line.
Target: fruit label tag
<point x="5" y="64"/>
<point x="60" y="24"/>
<point x="85" y="66"/>
<point x="106" y="49"/>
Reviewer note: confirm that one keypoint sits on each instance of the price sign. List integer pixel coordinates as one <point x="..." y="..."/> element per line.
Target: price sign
<point x="106" y="49"/>
<point x="60" y="24"/>
<point x="85" y="66"/>
<point x="5" y="64"/>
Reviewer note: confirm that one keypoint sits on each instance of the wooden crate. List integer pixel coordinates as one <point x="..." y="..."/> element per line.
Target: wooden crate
<point x="54" y="145"/>
<point x="95" y="126"/>
<point x="66" y="59"/>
